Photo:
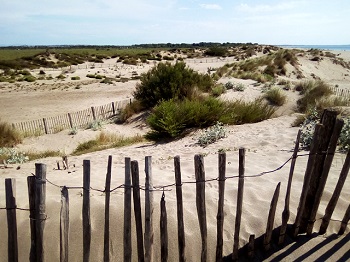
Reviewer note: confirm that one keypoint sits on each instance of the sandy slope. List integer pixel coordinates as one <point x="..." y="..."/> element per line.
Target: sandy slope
<point x="268" y="145"/>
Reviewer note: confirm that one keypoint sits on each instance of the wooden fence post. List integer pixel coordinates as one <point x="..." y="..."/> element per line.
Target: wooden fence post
<point x="137" y="209"/>
<point x="325" y="170"/>
<point x="70" y="120"/>
<point x="334" y="199"/>
<point x="319" y="129"/>
<point x="220" y="214"/>
<point x="271" y="218"/>
<point x="345" y="221"/>
<point x="200" y="202"/>
<point x="10" y="189"/>
<point x="93" y="113"/>
<point x="328" y="122"/>
<point x="86" y="211"/>
<point x="179" y="206"/>
<point x="163" y="230"/>
<point x="127" y="212"/>
<point x="286" y="212"/>
<point x="45" y="126"/>
<point x="64" y="225"/>
<point x="107" y="202"/>
<point x="148" y="210"/>
<point x="31" y="197"/>
<point x="40" y="208"/>
<point x="113" y="108"/>
<point x="251" y="246"/>
<point x="239" y="203"/>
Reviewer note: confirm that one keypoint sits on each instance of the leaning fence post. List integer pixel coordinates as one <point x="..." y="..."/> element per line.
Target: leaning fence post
<point x="271" y="218"/>
<point x="220" y="214"/>
<point x="70" y="120"/>
<point x="40" y="208"/>
<point x="10" y="188"/>
<point x="334" y="199"/>
<point x="200" y="202"/>
<point x="107" y="201"/>
<point x="137" y="209"/>
<point x="86" y="211"/>
<point x="127" y="212"/>
<point x="148" y="210"/>
<point x="31" y="197"/>
<point x="179" y="206"/>
<point x="163" y="230"/>
<point x="286" y="212"/>
<point x="113" y="108"/>
<point x="239" y="203"/>
<point x="45" y="126"/>
<point x="64" y="225"/>
<point x="93" y="113"/>
<point x="345" y="221"/>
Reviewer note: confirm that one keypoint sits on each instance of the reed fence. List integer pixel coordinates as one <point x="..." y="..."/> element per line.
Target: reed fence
<point x="341" y="92"/>
<point x="79" y="119"/>
<point x="319" y="162"/>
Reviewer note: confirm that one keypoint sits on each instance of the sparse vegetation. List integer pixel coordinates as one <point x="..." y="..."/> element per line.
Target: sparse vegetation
<point x="8" y="135"/>
<point x="96" y="125"/>
<point x="275" y="96"/>
<point x="212" y="134"/>
<point x="75" y="78"/>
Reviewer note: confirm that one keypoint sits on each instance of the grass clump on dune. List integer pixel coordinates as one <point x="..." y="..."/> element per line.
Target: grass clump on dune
<point x="275" y="96"/>
<point x="8" y="135"/>
<point x="104" y="141"/>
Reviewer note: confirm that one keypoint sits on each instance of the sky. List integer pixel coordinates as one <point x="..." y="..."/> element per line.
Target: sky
<point x="120" y="22"/>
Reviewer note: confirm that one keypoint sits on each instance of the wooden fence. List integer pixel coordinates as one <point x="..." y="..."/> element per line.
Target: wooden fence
<point x="318" y="166"/>
<point x="344" y="93"/>
<point x="79" y="119"/>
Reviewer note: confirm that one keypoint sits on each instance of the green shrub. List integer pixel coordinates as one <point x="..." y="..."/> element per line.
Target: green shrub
<point x="218" y="90"/>
<point x="166" y="81"/>
<point x="216" y="51"/>
<point x="239" y="87"/>
<point x="11" y="156"/>
<point x="75" y="78"/>
<point x="95" y="125"/>
<point x="229" y="85"/>
<point x="275" y="97"/>
<point x="344" y="138"/>
<point x="61" y="76"/>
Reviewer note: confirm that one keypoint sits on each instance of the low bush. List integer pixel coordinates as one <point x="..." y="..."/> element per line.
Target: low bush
<point x="218" y="90"/>
<point x="275" y="97"/>
<point x="75" y="78"/>
<point x="239" y="87"/>
<point x="8" y="135"/>
<point x="133" y="108"/>
<point x="229" y="85"/>
<point x="11" y="156"/>
<point x="212" y="134"/>
<point x="96" y="125"/>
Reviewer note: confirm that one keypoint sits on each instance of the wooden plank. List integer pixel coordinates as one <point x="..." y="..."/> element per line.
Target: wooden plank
<point x="200" y="202"/>
<point x="45" y="126"/>
<point x="220" y="215"/>
<point x="113" y="108"/>
<point x="40" y="208"/>
<point x="271" y="219"/>
<point x="107" y="206"/>
<point x="345" y="221"/>
<point x="31" y="198"/>
<point x="251" y="247"/>
<point x="328" y="121"/>
<point x="241" y="168"/>
<point x="148" y="210"/>
<point x="137" y="209"/>
<point x="93" y="113"/>
<point x="319" y="129"/>
<point x="325" y="170"/>
<point x="127" y="212"/>
<point x="64" y="225"/>
<point x="286" y="212"/>
<point x="334" y="199"/>
<point x="86" y="211"/>
<point x="179" y="206"/>
<point x="163" y="231"/>
<point x="12" y="244"/>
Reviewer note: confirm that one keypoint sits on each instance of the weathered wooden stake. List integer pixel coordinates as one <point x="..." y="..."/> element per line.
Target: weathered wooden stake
<point x="113" y="108"/>
<point x="163" y="230"/>
<point x="200" y="202"/>
<point x="220" y="214"/>
<point x="93" y="113"/>
<point x="271" y="218"/>
<point x="31" y="197"/>
<point x="286" y="212"/>
<point x="251" y="247"/>
<point x="40" y="208"/>
<point x="10" y="189"/>
<point x="137" y="209"/>
<point x="127" y="212"/>
<point x="107" y="202"/>
<point x="45" y="126"/>
<point x="241" y="168"/>
<point x="325" y="170"/>
<point x="86" y="211"/>
<point x="70" y="121"/>
<point x="334" y="199"/>
<point x="319" y="129"/>
<point x="179" y="203"/>
<point x="64" y="225"/>
<point x="345" y="221"/>
<point x="148" y="210"/>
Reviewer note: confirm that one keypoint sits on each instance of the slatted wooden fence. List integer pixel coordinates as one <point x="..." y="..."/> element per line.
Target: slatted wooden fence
<point x="79" y="119"/>
<point x="318" y="167"/>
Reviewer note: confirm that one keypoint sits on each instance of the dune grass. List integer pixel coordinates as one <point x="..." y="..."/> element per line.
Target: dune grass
<point x="275" y="96"/>
<point x="105" y="141"/>
<point x="8" y="135"/>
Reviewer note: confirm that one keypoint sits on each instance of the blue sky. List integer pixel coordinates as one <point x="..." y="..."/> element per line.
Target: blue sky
<point x="119" y="22"/>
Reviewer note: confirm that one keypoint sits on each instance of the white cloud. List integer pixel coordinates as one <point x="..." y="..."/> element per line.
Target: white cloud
<point x="211" y="6"/>
<point x="268" y="8"/>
